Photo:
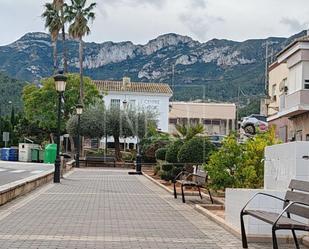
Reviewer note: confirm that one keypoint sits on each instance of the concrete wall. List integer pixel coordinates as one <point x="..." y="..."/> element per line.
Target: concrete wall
<point x="283" y="162"/>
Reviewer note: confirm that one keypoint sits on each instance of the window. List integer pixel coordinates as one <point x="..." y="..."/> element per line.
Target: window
<point x="173" y="121"/>
<point x="115" y="103"/>
<point x="306" y="86"/>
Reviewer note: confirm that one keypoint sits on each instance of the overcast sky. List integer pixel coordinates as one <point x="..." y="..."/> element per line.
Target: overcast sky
<point x="142" y="20"/>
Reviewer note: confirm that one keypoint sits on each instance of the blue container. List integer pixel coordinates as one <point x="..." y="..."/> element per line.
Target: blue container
<point x="9" y="154"/>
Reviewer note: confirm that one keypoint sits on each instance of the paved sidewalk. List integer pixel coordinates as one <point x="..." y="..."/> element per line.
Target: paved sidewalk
<point x="96" y="208"/>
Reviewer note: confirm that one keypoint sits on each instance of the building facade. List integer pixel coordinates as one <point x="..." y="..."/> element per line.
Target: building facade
<point x="217" y="118"/>
<point x="288" y="108"/>
<point x="147" y="96"/>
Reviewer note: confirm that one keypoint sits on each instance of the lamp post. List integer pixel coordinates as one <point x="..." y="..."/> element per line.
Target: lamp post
<point x="79" y="112"/>
<point x="60" y="84"/>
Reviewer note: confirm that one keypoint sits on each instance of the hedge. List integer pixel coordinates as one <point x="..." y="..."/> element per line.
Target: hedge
<point x="172" y="151"/>
<point x="161" y="153"/>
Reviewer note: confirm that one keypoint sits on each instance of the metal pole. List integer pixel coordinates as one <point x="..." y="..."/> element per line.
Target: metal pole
<point x="78" y="142"/>
<point x="58" y="160"/>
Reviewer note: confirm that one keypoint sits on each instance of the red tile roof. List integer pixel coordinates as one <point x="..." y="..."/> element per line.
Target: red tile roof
<point x="118" y="86"/>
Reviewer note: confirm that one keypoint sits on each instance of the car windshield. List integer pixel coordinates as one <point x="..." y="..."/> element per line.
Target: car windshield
<point x="260" y="117"/>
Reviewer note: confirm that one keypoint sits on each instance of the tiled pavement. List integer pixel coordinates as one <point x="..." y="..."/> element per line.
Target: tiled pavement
<point x="97" y="208"/>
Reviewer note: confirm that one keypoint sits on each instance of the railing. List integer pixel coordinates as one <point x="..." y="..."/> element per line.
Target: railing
<point x="294" y="102"/>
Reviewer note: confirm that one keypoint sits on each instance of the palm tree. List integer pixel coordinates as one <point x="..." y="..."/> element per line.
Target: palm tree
<point x="79" y="16"/>
<point x="59" y="6"/>
<point x="186" y="132"/>
<point x="53" y="23"/>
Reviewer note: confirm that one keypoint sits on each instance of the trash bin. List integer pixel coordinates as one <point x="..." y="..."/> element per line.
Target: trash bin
<point x="41" y="156"/>
<point x="35" y="155"/>
<point x="50" y="153"/>
<point x="9" y="154"/>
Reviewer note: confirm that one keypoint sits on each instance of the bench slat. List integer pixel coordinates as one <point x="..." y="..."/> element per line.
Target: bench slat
<point x="299" y="185"/>
<point x="299" y="210"/>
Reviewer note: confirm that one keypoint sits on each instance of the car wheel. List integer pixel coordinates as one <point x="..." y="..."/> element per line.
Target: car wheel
<point x="250" y="129"/>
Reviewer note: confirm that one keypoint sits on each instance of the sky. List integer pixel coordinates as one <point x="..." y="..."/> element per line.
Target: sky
<point x="142" y="20"/>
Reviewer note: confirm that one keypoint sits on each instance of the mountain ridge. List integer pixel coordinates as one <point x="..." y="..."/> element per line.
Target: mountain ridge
<point x="218" y="66"/>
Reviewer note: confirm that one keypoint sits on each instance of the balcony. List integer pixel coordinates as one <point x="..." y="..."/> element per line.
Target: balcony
<point x="294" y="104"/>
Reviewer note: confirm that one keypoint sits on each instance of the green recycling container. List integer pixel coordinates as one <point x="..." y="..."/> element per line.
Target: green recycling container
<point x="35" y="155"/>
<point x="50" y="153"/>
<point x="41" y="156"/>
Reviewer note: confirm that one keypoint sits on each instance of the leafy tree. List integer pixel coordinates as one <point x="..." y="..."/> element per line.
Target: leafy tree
<point x="41" y="103"/>
<point x="224" y="163"/>
<point x="196" y="150"/>
<point x="172" y="151"/>
<point x="79" y="15"/>
<point x="161" y="153"/>
<point x="96" y="122"/>
<point x="237" y="165"/>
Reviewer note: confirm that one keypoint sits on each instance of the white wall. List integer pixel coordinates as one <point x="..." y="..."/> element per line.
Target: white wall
<point x="295" y="78"/>
<point x="156" y="103"/>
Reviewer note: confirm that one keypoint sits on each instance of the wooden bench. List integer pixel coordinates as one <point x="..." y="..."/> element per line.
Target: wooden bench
<point x="197" y="179"/>
<point x="296" y="202"/>
<point x="101" y="159"/>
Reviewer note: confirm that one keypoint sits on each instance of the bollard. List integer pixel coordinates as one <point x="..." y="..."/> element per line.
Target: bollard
<point x="138" y="166"/>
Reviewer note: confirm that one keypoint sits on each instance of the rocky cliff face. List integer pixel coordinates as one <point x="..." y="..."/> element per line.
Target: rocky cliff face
<point x="218" y="66"/>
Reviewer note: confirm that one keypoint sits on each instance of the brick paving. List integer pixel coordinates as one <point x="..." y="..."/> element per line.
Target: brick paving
<point x="97" y="208"/>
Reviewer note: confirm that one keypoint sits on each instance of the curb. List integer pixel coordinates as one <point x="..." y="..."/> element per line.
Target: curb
<point x="12" y="190"/>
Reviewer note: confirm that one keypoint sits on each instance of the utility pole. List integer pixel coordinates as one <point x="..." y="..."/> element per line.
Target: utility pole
<point x="266" y="69"/>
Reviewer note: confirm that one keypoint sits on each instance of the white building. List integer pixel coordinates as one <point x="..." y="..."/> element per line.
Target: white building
<point x="148" y="96"/>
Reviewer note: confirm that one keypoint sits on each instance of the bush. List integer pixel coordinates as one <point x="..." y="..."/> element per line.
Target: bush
<point x="166" y="175"/>
<point x="196" y="150"/>
<point x="167" y="167"/>
<point x="237" y="165"/>
<point x="160" y="153"/>
<point x="156" y="170"/>
<point x="172" y="151"/>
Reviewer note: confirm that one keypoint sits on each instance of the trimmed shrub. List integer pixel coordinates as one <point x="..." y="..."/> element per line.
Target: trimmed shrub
<point x="172" y="151"/>
<point x="160" y="153"/>
<point x="166" y="175"/>
<point x="167" y="167"/>
<point x="156" y="170"/>
<point x="196" y="150"/>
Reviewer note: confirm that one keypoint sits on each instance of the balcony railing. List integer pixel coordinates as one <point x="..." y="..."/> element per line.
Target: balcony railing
<point x="294" y="103"/>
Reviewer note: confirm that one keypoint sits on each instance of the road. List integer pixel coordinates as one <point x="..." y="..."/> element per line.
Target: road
<point x="14" y="171"/>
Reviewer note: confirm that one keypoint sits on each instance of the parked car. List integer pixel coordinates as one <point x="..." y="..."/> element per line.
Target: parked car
<point x="250" y="123"/>
<point x="216" y="140"/>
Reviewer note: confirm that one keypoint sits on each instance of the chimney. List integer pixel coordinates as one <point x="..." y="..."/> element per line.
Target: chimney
<point x="126" y="81"/>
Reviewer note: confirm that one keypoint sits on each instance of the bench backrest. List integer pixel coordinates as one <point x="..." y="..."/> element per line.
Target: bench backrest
<point x="200" y="177"/>
<point x="299" y="192"/>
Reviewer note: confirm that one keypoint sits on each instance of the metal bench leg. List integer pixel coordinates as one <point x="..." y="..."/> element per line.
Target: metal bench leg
<point x="183" y="194"/>
<point x="199" y="191"/>
<point x="274" y="237"/>
<point x="175" y="192"/>
<point x="243" y="231"/>
<point x="210" y="196"/>
<point x="295" y="239"/>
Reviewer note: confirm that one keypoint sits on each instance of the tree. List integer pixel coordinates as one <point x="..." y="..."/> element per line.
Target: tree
<point x="79" y="16"/>
<point x="97" y="122"/>
<point x="59" y="5"/>
<point x="128" y="123"/>
<point x="187" y="132"/>
<point x="237" y="165"/>
<point x="40" y="104"/>
<point x="172" y="151"/>
<point x="54" y="23"/>
<point x="196" y="150"/>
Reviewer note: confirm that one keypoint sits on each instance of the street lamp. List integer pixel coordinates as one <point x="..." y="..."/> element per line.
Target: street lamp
<point x="60" y="84"/>
<point x="79" y="112"/>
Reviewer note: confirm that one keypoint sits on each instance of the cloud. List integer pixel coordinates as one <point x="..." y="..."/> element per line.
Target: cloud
<point x="137" y="3"/>
<point x="199" y="24"/>
<point x="198" y="3"/>
<point x="293" y="24"/>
